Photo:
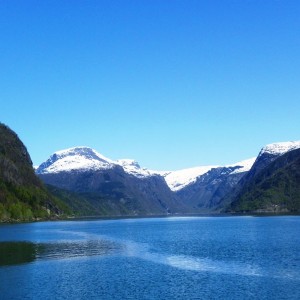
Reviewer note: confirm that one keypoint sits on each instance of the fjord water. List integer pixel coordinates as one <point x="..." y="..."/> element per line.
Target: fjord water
<point x="153" y="258"/>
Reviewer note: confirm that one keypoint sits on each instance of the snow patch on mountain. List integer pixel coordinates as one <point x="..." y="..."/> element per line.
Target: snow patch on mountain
<point x="244" y="166"/>
<point x="280" y="148"/>
<point x="132" y="167"/>
<point x="177" y="180"/>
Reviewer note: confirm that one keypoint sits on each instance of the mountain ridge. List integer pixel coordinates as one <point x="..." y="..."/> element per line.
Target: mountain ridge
<point x="85" y="158"/>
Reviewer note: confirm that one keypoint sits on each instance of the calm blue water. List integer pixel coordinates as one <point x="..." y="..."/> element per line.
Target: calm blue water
<point x="159" y="258"/>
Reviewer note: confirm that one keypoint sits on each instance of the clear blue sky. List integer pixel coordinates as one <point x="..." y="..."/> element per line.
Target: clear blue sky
<point x="170" y="83"/>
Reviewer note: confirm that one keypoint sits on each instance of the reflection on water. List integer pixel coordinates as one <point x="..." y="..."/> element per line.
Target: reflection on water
<point x="12" y="253"/>
<point x="211" y="258"/>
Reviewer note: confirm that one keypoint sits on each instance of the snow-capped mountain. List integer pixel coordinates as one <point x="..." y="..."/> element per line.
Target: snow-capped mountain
<point x="279" y="148"/>
<point x="210" y="184"/>
<point x="77" y="158"/>
<point x="112" y="187"/>
<point x="273" y="188"/>
<point x="266" y="156"/>
<point x="86" y="159"/>
<point x="269" y="153"/>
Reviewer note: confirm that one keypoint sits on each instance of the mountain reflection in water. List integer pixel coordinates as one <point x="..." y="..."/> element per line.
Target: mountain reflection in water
<point x="12" y="253"/>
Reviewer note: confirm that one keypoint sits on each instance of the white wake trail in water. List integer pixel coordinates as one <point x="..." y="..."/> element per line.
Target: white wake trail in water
<point x="185" y="262"/>
<point x="190" y="263"/>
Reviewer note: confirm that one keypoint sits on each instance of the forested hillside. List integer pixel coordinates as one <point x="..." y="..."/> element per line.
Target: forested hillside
<point x="275" y="188"/>
<point x="22" y="194"/>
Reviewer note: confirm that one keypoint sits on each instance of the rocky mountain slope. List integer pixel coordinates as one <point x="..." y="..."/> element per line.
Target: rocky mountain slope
<point x="22" y="194"/>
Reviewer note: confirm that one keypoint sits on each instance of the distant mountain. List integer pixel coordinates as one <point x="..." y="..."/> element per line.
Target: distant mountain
<point x="180" y="179"/>
<point x="211" y="188"/>
<point x="205" y="192"/>
<point x="22" y="194"/>
<point x="112" y="187"/>
<point x="274" y="188"/>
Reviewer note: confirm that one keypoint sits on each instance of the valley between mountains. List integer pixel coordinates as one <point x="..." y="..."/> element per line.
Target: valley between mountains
<point x="82" y="182"/>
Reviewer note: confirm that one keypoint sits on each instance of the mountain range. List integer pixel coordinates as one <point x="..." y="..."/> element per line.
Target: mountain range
<point x="81" y="181"/>
<point x="123" y="187"/>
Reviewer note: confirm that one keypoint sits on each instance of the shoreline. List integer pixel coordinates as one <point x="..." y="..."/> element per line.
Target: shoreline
<point x="120" y="217"/>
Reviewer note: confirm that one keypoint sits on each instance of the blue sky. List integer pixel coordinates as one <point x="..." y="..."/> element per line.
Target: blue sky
<point x="170" y="83"/>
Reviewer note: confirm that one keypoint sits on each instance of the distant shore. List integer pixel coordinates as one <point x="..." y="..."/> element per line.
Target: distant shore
<point x="120" y="217"/>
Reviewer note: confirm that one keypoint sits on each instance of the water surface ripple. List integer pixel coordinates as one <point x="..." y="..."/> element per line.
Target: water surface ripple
<point x="176" y="258"/>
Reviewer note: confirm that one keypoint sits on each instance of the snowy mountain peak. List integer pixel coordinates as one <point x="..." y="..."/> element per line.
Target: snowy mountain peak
<point x="87" y="159"/>
<point x="77" y="158"/>
<point x="83" y="151"/>
<point x="280" y="148"/>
